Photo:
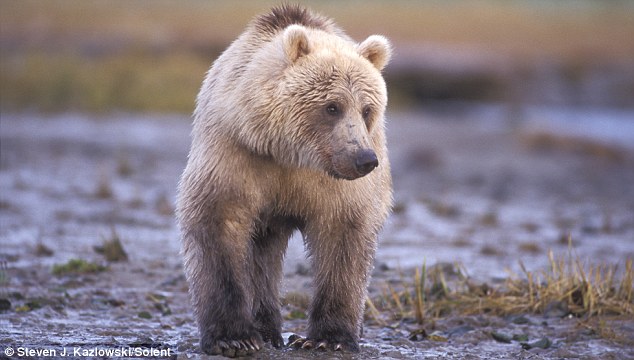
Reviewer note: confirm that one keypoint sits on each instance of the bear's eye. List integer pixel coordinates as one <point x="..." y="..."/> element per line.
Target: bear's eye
<point x="367" y="111"/>
<point x="332" y="109"/>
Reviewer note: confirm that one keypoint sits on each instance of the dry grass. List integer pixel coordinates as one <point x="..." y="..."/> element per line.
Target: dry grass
<point x="111" y="248"/>
<point x="584" y="290"/>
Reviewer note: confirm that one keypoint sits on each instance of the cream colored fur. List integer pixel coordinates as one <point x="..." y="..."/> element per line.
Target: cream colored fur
<point x="265" y="152"/>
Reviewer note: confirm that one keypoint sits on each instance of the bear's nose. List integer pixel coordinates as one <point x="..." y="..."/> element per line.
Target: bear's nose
<point x="366" y="161"/>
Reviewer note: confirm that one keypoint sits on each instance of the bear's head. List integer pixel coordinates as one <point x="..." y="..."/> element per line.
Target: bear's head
<point x="319" y="101"/>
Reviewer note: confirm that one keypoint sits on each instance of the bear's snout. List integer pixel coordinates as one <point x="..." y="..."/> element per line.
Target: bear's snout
<point x="365" y="162"/>
<point x="352" y="164"/>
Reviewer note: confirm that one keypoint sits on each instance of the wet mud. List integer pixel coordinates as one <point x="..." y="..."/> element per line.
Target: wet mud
<point x="470" y="187"/>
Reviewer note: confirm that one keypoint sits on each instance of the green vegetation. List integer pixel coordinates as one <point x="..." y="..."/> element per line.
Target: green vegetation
<point x="77" y="266"/>
<point x="133" y="82"/>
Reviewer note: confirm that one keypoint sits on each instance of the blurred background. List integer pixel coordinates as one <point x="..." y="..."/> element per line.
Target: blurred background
<point x="146" y="55"/>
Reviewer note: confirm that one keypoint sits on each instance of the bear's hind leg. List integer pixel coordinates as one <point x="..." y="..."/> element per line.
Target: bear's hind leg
<point x="269" y="246"/>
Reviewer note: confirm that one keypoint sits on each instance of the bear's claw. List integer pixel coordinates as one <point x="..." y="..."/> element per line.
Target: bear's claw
<point x="233" y="348"/>
<point x="298" y="342"/>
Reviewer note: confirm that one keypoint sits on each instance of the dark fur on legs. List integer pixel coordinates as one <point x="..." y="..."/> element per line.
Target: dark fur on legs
<point x="243" y="288"/>
<point x="226" y="328"/>
<point x="269" y="246"/>
<point x="341" y="276"/>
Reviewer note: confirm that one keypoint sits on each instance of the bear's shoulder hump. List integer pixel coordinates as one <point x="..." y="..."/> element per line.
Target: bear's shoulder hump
<point x="280" y="17"/>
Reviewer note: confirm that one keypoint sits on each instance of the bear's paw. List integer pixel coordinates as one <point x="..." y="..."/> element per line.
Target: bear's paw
<point x="238" y="346"/>
<point x="298" y="342"/>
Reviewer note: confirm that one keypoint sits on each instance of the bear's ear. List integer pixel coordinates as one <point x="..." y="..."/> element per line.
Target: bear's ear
<point x="377" y="50"/>
<point x="296" y="42"/>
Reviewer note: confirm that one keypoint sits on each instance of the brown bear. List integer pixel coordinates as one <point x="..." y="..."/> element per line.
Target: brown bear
<point x="288" y="134"/>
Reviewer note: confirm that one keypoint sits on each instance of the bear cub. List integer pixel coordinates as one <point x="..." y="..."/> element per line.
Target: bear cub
<point x="288" y="134"/>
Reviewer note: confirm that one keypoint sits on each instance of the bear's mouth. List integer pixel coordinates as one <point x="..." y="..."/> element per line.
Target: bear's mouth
<point x="339" y="176"/>
<point x="345" y="176"/>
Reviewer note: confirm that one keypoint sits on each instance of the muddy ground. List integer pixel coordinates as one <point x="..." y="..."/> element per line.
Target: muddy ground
<point x="470" y="186"/>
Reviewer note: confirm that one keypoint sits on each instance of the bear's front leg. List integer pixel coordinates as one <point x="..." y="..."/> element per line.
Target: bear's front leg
<point x="217" y="255"/>
<point x="341" y="264"/>
<point x="269" y="245"/>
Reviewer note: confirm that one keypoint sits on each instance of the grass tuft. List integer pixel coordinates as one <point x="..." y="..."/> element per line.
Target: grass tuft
<point x="77" y="266"/>
<point x="112" y="249"/>
<point x="583" y="290"/>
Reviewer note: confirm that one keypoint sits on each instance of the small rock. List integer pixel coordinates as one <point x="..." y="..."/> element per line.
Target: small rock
<point x="393" y="354"/>
<point x="520" y="320"/>
<point x="174" y="280"/>
<point x="460" y="330"/>
<point x="115" y="302"/>
<point x="43" y="250"/>
<point x="302" y="270"/>
<point x="556" y="309"/>
<point x="501" y="337"/>
<point x="145" y="315"/>
<point x="417" y="335"/>
<point x="148" y="342"/>
<point x="5" y="305"/>
<point x="543" y="343"/>
<point x="402" y="342"/>
<point x="16" y="295"/>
